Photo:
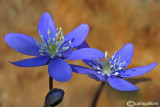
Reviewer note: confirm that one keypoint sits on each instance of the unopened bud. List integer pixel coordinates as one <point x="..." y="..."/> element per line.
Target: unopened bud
<point x="54" y="97"/>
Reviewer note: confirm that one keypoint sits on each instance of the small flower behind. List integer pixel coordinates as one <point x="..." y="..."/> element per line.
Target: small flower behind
<point x="113" y="69"/>
<point x="54" y="49"/>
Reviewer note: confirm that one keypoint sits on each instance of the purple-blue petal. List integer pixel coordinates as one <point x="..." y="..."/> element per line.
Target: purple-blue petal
<point x="95" y="77"/>
<point x="22" y="43"/>
<point x="82" y="70"/>
<point x="77" y="36"/>
<point x="125" y="54"/>
<point x="120" y="84"/>
<point x="93" y="63"/>
<point x="85" y="45"/>
<point x="132" y="72"/>
<point x="84" y="54"/>
<point x="46" y="23"/>
<point x="32" y="62"/>
<point x="91" y="73"/>
<point x="59" y="69"/>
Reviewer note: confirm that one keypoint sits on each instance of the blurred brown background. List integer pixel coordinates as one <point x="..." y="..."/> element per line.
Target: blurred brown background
<point x="112" y="23"/>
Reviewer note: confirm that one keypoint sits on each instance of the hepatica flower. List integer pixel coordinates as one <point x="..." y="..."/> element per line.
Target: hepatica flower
<point x="112" y="70"/>
<point x="54" y="48"/>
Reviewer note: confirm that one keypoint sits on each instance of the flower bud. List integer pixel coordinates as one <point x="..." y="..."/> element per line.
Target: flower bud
<point x="54" y="97"/>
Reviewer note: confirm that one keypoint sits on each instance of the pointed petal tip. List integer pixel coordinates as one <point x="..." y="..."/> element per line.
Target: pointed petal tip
<point x="45" y="24"/>
<point x="134" y="89"/>
<point x="85" y="25"/>
<point x="14" y="63"/>
<point x="137" y="71"/>
<point x="7" y="36"/>
<point x="45" y="14"/>
<point x="155" y="64"/>
<point x="130" y="45"/>
<point x="77" y="35"/>
<point x="10" y="62"/>
<point x="125" y="54"/>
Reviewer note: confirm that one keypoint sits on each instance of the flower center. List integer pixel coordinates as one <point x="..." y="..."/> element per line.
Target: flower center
<point x="108" y="66"/>
<point x="53" y="46"/>
<point x="112" y="66"/>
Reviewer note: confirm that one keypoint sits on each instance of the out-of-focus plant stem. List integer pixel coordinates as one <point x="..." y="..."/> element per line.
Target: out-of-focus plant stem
<point x="96" y="97"/>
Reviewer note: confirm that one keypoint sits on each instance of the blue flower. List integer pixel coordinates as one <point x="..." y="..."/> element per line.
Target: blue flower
<point x="54" y="48"/>
<point x="112" y="70"/>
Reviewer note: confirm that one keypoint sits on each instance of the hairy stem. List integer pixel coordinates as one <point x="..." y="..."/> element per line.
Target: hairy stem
<point x="96" y="97"/>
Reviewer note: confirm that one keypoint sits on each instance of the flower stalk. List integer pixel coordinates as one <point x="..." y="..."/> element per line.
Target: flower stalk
<point x="96" y="97"/>
<point x="50" y="83"/>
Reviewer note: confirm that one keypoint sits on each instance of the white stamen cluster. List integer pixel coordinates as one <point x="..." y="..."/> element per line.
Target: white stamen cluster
<point x="107" y="66"/>
<point x="53" y="46"/>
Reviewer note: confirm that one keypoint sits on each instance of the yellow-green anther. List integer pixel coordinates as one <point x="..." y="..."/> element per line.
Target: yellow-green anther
<point x="41" y="35"/>
<point x="63" y="48"/>
<point x="98" y="68"/>
<point x="52" y="56"/>
<point x="60" y="28"/>
<point x="120" y="64"/>
<point x="48" y="41"/>
<point x="45" y="45"/>
<point x="62" y="37"/>
<point x="52" y="46"/>
<point x="112" y="57"/>
<point x="66" y="48"/>
<point x="115" y="60"/>
<point x="53" y="39"/>
<point x="120" y="68"/>
<point x="90" y="63"/>
<point x="56" y="35"/>
<point x="41" y="54"/>
<point x="124" y="62"/>
<point x="57" y="42"/>
<point x="49" y="31"/>
<point x="70" y="42"/>
<point x="106" y="54"/>
<point x="37" y="43"/>
<point x="119" y="58"/>
<point x="116" y="73"/>
<point x="41" y="51"/>
<point x="59" y="55"/>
